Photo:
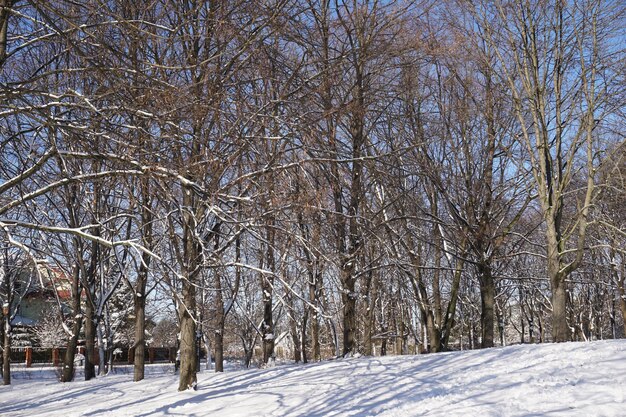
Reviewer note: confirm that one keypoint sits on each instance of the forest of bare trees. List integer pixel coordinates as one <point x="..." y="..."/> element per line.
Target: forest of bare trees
<point x="349" y="176"/>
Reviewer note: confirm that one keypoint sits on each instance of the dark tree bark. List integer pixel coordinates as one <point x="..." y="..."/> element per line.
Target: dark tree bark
<point x="78" y="271"/>
<point x="6" y="352"/>
<point x="268" y="326"/>
<point x="487" y="305"/>
<point x="267" y="287"/>
<point x="188" y="359"/>
<point x="140" y="322"/>
<point x="141" y="283"/>
<point x="295" y="336"/>
<point x="314" y="291"/>
<point x="314" y="278"/>
<point x="220" y="319"/>
<point x="187" y="308"/>
<point x="90" y="341"/>
<point x="6" y="325"/>
<point x="68" y="366"/>
<point x="622" y="293"/>
<point x="91" y="320"/>
<point x="370" y="315"/>
<point x="449" y="318"/>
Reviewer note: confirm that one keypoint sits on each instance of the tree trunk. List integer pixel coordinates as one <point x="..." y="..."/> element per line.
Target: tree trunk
<point x="560" y="329"/>
<point x="220" y="311"/>
<point x="6" y="326"/>
<point x="428" y="318"/>
<point x="433" y="333"/>
<point x="315" y="336"/>
<point x="438" y="244"/>
<point x="622" y="292"/>
<point x="348" y="296"/>
<point x="303" y="335"/>
<point x="68" y="365"/>
<point x="219" y="350"/>
<point x="141" y="284"/>
<point x="315" y="278"/>
<point x="500" y="318"/>
<point x="293" y="324"/>
<point x="220" y="321"/>
<point x="209" y="352"/>
<point x="622" y="302"/>
<point x="109" y="343"/>
<point x="90" y="304"/>
<point x="140" y="333"/>
<point x="187" y="309"/>
<point x="102" y="353"/>
<point x="2" y="332"/>
<point x="188" y="357"/>
<point x="399" y="342"/>
<point x="90" y="341"/>
<point x="267" y="285"/>
<point x="188" y="360"/>
<point x="6" y="352"/>
<point x="370" y="315"/>
<point x="248" y="349"/>
<point x="332" y="329"/>
<point x="487" y="304"/>
<point x="70" y="353"/>
<point x="297" y="352"/>
<point x="268" y="322"/>
<point x="449" y="318"/>
<point x="383" y="343"/>
<point x="523" y="315"/>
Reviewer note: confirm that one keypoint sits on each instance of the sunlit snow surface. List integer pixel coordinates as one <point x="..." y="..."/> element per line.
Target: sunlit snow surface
<point x="569" y="379"/>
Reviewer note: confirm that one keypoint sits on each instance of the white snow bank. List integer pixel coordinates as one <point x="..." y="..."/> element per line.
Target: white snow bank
<point x="568" y="379"/>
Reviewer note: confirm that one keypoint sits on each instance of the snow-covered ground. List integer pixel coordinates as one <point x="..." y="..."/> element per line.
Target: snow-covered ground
<point x="569" y="379"/>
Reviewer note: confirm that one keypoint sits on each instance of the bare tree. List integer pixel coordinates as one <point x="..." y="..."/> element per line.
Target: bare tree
<point x="551" y="58"/>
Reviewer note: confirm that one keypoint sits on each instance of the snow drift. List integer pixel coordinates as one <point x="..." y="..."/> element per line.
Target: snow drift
<point x="568" y="379"/>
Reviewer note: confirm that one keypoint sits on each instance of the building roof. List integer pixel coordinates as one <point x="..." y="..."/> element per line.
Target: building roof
<point x="23" y="321"/>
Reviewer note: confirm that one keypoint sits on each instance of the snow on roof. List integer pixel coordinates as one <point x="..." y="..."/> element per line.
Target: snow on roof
<point x="23" y="321"/>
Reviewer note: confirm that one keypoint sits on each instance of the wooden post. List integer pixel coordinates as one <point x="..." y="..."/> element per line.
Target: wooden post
<point x="55" y="356"/>
<point x="151" y="354"/>
<point x="29" y="357"/>
<point x="81" y="351"/>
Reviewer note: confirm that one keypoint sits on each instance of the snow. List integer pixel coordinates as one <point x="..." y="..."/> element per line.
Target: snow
<point x="22" y="321"/>
<point x="568" y="379"/>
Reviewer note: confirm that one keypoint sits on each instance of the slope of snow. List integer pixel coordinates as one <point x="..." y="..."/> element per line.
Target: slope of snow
<point x="568" y="379"/>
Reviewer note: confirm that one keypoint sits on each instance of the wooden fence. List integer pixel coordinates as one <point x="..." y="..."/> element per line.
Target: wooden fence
<point x="34" y="355"/>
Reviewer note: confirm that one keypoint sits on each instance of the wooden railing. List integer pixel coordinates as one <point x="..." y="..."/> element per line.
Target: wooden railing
<point x="54" y="356"/>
